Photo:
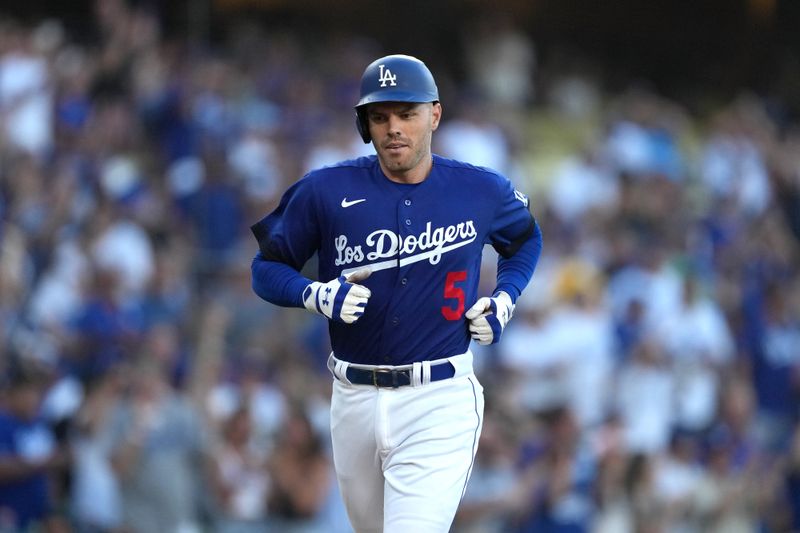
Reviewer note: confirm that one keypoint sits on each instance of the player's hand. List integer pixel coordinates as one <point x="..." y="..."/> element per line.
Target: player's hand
<point x="489" y="316"/>
<point x="341" y="299"/>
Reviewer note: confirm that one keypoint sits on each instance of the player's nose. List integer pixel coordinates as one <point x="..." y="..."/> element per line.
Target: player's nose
<point x="393" y="123"/>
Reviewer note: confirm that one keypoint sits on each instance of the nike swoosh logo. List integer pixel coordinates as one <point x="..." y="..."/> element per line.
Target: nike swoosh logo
<point x="345" y="203"/>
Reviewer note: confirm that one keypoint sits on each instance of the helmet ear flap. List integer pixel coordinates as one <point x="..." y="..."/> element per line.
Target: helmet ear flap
<point x="362" y="124"/>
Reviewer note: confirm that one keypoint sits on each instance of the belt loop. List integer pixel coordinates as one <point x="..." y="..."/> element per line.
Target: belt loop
<point x="426" y="372"/>
<point x="340" y="370"/>
<point x="416" y="374"/>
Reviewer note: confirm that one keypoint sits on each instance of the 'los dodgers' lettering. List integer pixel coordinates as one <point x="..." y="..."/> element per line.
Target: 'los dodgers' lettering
<point x="386" y="244"/>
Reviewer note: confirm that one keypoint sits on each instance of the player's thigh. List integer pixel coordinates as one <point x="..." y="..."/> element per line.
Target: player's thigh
<point x="426" y="474"/>
<point x="355" y="455"/>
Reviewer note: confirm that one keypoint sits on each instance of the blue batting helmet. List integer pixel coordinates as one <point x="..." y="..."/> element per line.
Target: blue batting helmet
<point x="394" y="78"/>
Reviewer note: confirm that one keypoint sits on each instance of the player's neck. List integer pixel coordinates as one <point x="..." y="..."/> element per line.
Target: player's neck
<point x="417" y="174"/>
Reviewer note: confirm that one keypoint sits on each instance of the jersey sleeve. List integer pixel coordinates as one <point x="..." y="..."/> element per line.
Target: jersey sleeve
<point x="517" y="238"/>
<point x="513" y="223"/>
<point x="286" y="238"/>
<point x="290" y="234"/>
<point x="514" y="273"/>
<point x="277" y="282"/>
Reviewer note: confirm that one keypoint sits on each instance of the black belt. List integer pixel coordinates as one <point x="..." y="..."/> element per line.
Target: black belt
<point x="388" y="377"/>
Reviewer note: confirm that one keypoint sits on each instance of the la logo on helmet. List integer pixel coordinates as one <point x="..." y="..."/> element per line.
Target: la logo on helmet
<point x="386" y="75"/>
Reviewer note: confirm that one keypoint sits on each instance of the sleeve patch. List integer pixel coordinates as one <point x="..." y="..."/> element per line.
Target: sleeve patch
<point x="522" y="198"/>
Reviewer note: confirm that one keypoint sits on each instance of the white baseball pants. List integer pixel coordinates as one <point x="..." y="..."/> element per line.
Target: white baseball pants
<point x="403" y="456"/>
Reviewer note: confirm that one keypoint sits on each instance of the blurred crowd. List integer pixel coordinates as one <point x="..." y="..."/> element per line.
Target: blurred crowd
<point x="650" y="379"/>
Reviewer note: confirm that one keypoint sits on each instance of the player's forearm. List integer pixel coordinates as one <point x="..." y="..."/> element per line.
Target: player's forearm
<point x="514" y="273"/>
<point x="278" y="283"/>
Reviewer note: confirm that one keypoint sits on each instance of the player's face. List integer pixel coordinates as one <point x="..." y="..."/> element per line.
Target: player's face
<point x="401" y="133"/>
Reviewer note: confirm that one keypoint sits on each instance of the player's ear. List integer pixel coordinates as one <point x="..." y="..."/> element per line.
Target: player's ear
<point x="436" y="115"/>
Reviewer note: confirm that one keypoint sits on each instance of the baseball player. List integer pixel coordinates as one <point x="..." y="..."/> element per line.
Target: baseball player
<point x="399" y="236"/>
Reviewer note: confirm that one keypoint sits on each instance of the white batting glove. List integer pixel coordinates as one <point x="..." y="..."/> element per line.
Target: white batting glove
<point x="489" y="316"/>
<point x="341" y="299"/>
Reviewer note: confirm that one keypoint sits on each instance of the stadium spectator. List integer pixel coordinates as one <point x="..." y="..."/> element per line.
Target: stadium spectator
<point x="240" y="481"/>
<point x="29" y="455"/>
<point x="300" y="471"/>
<point x="158" y="448"/>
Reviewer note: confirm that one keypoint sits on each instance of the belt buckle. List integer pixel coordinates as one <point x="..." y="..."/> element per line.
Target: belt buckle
<point x="377" y="371"/>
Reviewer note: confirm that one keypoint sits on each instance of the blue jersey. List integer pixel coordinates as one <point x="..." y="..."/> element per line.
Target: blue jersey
<point x="423" y="243"/>
<point x="26" y="498"/>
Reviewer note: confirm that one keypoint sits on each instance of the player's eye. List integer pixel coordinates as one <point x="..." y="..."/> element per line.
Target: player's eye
<point x="377" y="118"/>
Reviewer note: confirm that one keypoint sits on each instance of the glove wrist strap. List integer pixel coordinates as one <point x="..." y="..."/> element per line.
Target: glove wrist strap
<point x="310" y="297"/>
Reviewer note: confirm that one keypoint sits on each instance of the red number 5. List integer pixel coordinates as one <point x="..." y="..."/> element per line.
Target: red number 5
<point x="454" y="293"/>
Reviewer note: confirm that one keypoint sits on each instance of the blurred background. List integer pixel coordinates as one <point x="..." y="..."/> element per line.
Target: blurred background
<point x="649" y="382"/>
